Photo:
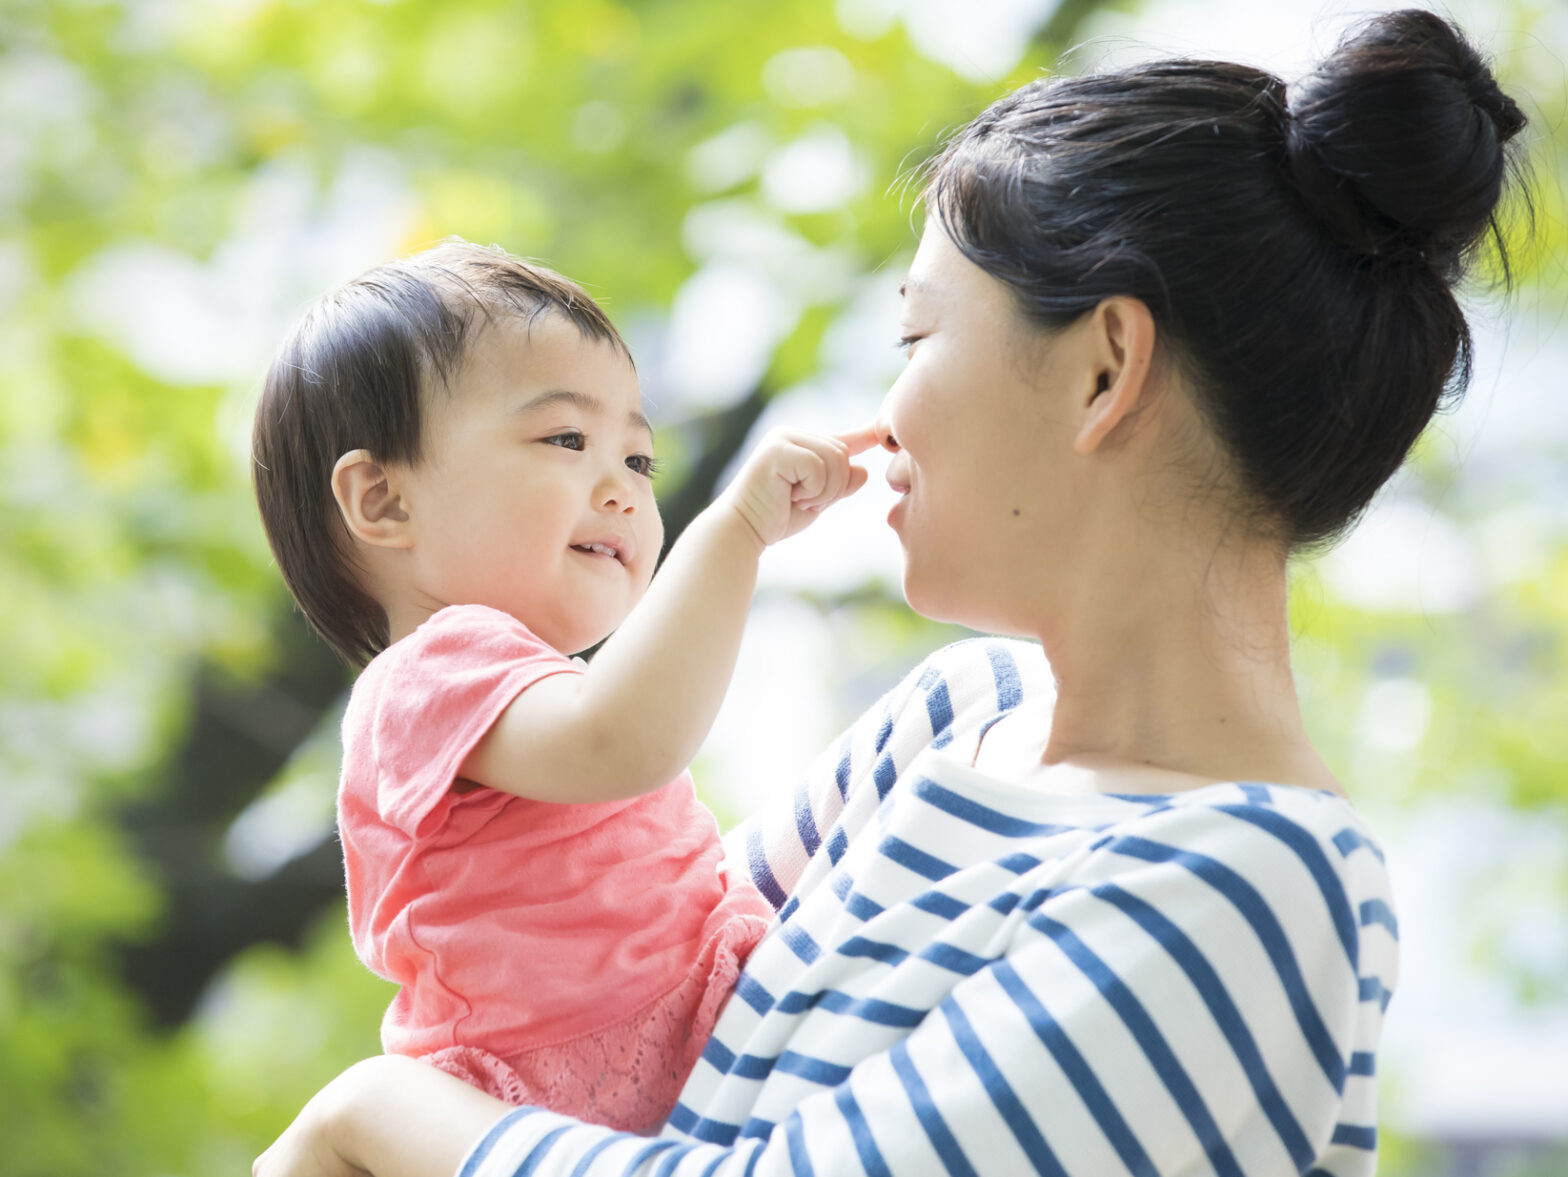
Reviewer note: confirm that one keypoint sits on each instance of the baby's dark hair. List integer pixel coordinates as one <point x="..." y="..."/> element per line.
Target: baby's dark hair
<point x="1297" y="252"/>
<point x="356" y="372"/>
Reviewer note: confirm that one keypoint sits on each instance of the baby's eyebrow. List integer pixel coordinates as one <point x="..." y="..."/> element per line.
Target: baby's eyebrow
<point x="584" y="401"/>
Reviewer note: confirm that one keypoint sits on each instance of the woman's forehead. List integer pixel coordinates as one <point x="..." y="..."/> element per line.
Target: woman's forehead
<point x="940" y="275"/>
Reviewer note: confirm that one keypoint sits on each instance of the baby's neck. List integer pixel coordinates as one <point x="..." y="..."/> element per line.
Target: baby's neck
<point x="405" y="616"/>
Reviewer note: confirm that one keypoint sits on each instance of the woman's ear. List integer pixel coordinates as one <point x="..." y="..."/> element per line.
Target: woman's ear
<point x="371" y="507"/>
<point x="1121" y="346"/>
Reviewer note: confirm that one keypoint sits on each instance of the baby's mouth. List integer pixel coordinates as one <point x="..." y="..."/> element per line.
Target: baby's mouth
<point x="599" y="550"/>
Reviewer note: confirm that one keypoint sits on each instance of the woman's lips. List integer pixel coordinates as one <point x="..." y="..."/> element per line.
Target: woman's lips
<point x="901" y="487"/>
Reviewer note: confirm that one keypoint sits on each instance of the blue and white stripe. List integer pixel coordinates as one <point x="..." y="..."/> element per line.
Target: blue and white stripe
<point x="972" y="977"/>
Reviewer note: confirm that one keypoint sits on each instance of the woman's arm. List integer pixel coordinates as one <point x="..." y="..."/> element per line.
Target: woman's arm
<point x="390" y="1116"/>
<point x="1192" y="997"/>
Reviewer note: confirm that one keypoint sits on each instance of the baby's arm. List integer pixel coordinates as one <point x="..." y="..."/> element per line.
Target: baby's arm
<point x="637" y="716"/>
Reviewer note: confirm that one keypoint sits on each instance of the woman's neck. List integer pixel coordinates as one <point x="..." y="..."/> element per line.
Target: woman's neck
<point x="1176" y="659"/>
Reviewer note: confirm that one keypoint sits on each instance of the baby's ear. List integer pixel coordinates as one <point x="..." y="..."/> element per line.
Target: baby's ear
<point x="369" y="502"/>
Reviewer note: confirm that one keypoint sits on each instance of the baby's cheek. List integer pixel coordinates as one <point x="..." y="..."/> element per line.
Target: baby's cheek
<point x="645" y="579"/>
<point x="652" y="545"/>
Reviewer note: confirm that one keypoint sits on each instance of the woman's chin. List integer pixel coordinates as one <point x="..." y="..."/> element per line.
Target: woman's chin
<point x="939" y="602"/>
<point x="929" y="600"/>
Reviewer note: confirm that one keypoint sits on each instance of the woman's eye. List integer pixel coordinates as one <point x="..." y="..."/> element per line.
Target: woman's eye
<point x="570" y="440"/>
<point x="644" y="464"/>
<point x="906" y="342"/>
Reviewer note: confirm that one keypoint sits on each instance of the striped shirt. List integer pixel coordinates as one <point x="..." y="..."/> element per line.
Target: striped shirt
<point x="970" y="976"/>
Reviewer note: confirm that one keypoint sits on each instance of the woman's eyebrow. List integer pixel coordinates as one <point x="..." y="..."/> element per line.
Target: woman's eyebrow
<point x="918" y="285"/>
<point x="586" y="402"/>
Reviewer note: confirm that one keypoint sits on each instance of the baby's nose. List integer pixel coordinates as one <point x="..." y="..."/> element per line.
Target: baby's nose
<point x="615" y="492"/>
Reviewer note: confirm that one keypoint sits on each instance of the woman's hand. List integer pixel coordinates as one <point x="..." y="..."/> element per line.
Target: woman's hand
<point x="388" y="1116"/>
<point x="307" y="1147"/>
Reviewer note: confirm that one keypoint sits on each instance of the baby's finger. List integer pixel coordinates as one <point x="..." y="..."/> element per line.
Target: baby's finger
<point x="808" y="475"/>
<point x="838" y="474"/>
<point x="860" y="440"/>
<point x="835" y="468"/>
<point x="841" y="474"/>
<point x="854" y="477"/>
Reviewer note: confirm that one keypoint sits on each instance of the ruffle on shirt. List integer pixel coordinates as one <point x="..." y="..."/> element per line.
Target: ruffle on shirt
<point x="627" y="1075"/>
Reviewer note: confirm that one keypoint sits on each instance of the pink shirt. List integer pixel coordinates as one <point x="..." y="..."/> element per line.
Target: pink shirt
<point x="509" y="923"/>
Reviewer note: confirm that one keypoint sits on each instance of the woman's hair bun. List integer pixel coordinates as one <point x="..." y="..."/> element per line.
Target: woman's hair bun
<point x="1396" y="140"/>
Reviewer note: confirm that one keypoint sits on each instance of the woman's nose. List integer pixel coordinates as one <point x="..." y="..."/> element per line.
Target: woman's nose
<point x="884" y="431"/>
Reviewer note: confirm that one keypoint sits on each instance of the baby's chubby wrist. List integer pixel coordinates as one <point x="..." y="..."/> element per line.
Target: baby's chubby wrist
<point x="726" y="522"/>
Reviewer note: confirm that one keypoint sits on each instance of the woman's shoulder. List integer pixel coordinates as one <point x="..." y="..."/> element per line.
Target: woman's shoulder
<point x="1002" y="657"/>
<point x="1287" y="857"/>
<point x="1320" y="828"/>
<point x="971" y="680"/>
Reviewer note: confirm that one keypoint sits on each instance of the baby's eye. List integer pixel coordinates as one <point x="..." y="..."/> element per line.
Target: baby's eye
<point x="645" y="464"/>
<point x="570" y="440"/>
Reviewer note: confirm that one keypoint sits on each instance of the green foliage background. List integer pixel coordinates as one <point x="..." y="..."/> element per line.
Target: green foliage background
<point x="138" y="593"/>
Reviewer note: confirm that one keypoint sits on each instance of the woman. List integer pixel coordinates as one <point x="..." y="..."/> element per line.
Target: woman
<point x="1106" y="911"/>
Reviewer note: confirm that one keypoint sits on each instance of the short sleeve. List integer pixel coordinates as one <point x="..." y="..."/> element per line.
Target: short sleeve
<point x="426" y="702"/>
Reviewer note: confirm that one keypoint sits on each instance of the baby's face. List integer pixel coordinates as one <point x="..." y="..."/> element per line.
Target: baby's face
<point x="533" y="493"/>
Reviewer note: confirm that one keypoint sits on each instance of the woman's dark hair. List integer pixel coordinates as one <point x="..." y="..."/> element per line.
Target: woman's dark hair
<point x="355" y="373"/>
<point x="1297" y="252"/>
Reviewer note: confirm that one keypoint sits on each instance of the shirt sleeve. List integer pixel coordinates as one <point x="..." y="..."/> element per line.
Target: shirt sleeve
<point x="956" y="688"/>
<point x="432" y="703"/>
<point x="1161" y="1013"/>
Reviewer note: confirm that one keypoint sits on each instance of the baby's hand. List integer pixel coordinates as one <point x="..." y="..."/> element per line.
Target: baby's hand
<point x="791" y="476"/>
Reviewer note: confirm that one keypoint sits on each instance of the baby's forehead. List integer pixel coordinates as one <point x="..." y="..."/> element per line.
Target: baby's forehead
<point x="543" y="336"/>
<point x="547" y="361"/>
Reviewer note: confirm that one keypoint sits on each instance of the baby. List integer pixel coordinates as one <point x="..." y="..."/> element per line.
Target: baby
<point x="455" y="475"/>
